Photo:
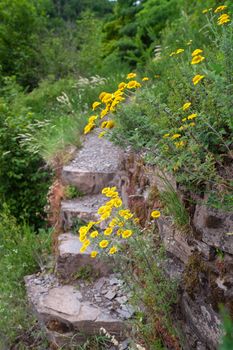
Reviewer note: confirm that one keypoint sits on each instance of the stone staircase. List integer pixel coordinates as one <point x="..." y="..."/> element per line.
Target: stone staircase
<point x="83" y="295"/>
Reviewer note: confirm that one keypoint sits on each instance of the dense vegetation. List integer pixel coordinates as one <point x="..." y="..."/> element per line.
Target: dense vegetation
<point x="57" y="56"/>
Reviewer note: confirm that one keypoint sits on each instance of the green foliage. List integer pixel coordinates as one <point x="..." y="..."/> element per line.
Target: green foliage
<point x="22" y="252"/>
<point x="200" y="156"/>
<point x="72" y="192"/>
<point x="227" y="339"/>
<point x="23" y="180"/>
<point x="174" y="206"/>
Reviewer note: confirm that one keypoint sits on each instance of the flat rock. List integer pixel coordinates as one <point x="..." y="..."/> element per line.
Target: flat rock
<point x="95" y="166"/>
<point x="203" y="321"/>
<point x="68" y="310"/>
<point x="175" y="241"/>
<point x="70" y="260"/>
<point x="213" y="225"/>
<point x="84" y="208"/>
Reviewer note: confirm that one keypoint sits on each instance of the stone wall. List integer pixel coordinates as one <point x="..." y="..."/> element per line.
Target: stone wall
<point x="200" y="256"/>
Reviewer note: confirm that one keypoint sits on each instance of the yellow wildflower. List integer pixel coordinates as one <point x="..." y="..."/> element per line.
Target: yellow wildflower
<point x="186" y="106"/>
<point x="184" y="119"/>
<point x="179" y="51"/>
<point x="92" y="118"/>
<point x="196" y="52"/>
<point x="155" y="214"/>
<point x="145" y="79"/>
<point x="107" y="98"/>
<point x="197" y="59"/>
<point x="197" y="79"/>
<point x="118" y="93"/>
<point x="82" y="238"/>
<point x="172" y="54"/>
<point x="88" y="128"/>
<point x="126" y="214"/>
<point x="104" y="112"/>
<point x="127" y="233"/>
<point x="113" y="223"/>
<point x="95" y="105"/>
<point x="133" y="84"/>
<point x="105" y="215"/>
<point x="83" y="230"/>
<point x="192" y="124"/>
<point x="220" y="8"/>
<point x="165" y="136"/>
<point x="223" y="19"/>
<point x="108" y="124"/>
<point x="117" y="202"/>
<point x="175" y="136"/>
<point x="121" y="223"/>
<point x="179" y="144"/>
<point x="86" y="243"/>
<point x="94" y="234"/>
<point x="113" y="250"/>
<point x="102" y="210"/>
<point x="108" y="231"/>
<point x="83" y="249"/>
<point x="101" y="96"/>
<point x="119" y="232"/>
<point x="104" y="243"/>
<point x="101" y="134"/>
<point x="94" y="254"/>
<point x="131" y="75"/>
<point x="192" y="116"/>
<point x="122" y="86"/>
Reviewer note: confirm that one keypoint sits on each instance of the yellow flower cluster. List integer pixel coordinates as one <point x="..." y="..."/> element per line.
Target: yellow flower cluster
<point x="116" y="217"/>
<point x="224" y="18"/>
<point x="108" y="103"/>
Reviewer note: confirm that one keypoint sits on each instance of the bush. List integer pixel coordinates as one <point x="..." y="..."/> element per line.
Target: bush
<point x="22" y="252"/>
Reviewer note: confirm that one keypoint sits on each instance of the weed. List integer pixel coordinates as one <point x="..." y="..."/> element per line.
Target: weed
<point x="72" y="192"/>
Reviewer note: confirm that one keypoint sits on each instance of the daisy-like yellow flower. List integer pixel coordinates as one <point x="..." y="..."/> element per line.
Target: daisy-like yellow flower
<point x="117" y="202"/>
<point x="197" y="59"/>
<point x="175" y="136"/>
<point x="192" y="116"/>
<point x="101" y="96"/>
<point x="101" y="134"/>
<point x="88" y="128"/>
<point x="155" y="214"/>
<point x="196" y="52"/>
<point x="113" y="250"/>
<point x="179" y="51"/>
<point x="197" y="79"/>
<point x="192" y="124"/>
<point x="131" y="75"/>
<point x="94" y="254"/>
<point x="92" y="118"/>
<point x="107" y="98"/>
<point x="145" y="79"/>
<point x="95" y="105"/>
<point x="108" y="231"/>
<point x="126" y="214"/>
<point x="113" y="223"/>
<point x="127" y="233"/>
<point x="179" y="144"/>
<point x="122" y="86"/>
<point x="184" y="119"/>
<point x="86" y="243"/>
<point x="94" y="234"/>
<point x="220" y="9"/>
<point x="105" y="215"/>
<point x="110" y="124"/>
<point x="82" y="238"/>
<point x="186" y="106"/>
<point x="119" y="231"/>
<point x="83" y="249"/>
<point x="223" y="19"/>
<point x="104" y="243"/>
<point x="83" y="230"/>
<point x="165" y="136"/>
<point x="133" y="84"/>
<point x="104" y="112"/>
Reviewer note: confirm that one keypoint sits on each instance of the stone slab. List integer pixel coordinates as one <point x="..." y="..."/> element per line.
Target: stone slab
<point x="213" y="225"/>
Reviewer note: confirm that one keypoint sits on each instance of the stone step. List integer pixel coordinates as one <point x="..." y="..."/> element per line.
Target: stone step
<point x="70" y="262"/>
<point x="85" y="209"/>
<point x="79" y="311"/>
<point x="96" y="165"/>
